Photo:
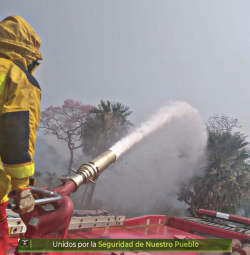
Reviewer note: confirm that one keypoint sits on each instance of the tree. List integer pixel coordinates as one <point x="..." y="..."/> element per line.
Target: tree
<point x="65" y="122"/>
<point x="226" y="178"/>
<point x="107" y="124"/>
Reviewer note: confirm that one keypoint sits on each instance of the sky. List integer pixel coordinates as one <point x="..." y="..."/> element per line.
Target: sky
<point x="143" y="53"/>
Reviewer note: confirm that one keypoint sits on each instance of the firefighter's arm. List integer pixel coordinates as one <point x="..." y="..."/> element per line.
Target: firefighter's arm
<point x="19" y="121"/>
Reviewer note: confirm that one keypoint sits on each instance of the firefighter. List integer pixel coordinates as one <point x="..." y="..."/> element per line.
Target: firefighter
<point x="20" y="97"/>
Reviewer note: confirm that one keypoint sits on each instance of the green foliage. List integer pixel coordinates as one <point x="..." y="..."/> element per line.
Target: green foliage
<point x="106" y="125"/>
<point x="226" y="179"/>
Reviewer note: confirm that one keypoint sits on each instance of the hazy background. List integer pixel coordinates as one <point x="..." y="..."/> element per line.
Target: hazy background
<point x="141" y="53"/>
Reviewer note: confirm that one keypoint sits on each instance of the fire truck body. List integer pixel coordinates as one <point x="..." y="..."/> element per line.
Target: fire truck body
<point x="59" y="222"/>
<point x="102" y="225"/>
<point x="211" y="224"/>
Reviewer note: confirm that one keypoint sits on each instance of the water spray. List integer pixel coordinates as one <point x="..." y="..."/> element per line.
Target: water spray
<point x="162" y="117"/>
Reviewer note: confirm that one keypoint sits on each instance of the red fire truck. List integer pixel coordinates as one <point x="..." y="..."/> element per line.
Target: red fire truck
<point x="63" y="222"/>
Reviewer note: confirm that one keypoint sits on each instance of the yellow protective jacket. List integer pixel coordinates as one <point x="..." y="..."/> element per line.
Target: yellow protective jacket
<point x="20" y="97"/>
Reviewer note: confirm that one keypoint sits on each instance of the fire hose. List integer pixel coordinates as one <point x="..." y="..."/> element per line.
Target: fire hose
<point x="41" y="222"/>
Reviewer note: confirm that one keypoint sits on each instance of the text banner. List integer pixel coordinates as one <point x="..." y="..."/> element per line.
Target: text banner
<point x="124" y="245"/>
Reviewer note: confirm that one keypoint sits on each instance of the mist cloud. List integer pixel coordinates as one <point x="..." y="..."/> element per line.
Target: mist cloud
<point x="143" y="178"/>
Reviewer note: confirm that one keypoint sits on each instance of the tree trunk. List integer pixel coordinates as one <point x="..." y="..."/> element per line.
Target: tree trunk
<point x="70" y="161"/>
<point x="85" y="192"/>
<point x="90" y="194"/>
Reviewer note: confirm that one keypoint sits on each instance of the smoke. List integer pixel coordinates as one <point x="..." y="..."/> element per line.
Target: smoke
<point x="54" y="161"/>
<point x="162" y="153"/>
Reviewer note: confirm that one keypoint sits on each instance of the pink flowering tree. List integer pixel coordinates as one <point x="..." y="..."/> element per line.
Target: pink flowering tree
<point x="66" y="122"/>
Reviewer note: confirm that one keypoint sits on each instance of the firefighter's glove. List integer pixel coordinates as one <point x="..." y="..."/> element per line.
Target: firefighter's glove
<point x="24" y="200"/>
